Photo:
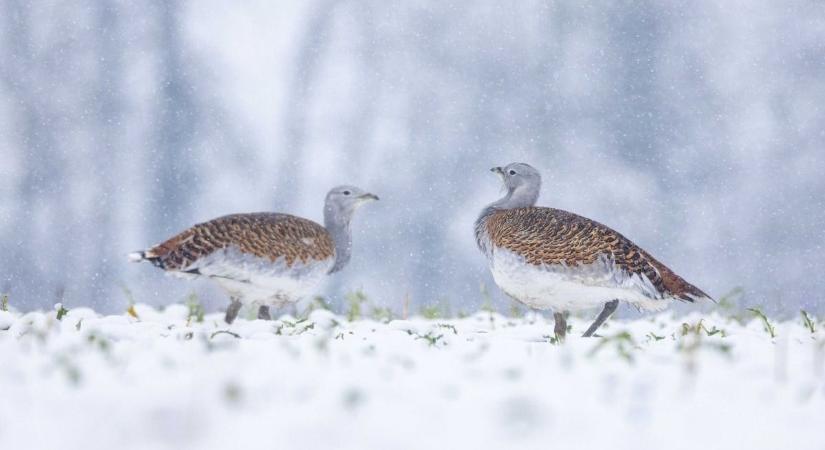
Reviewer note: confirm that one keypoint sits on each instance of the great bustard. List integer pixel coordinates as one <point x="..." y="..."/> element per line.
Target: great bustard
<point x="263" y="258"/>
<point x="552" y="259"/>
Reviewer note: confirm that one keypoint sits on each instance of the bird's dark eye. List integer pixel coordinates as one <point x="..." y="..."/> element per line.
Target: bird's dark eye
<point x="347" y="192"/>
<point x="512" y="172"/>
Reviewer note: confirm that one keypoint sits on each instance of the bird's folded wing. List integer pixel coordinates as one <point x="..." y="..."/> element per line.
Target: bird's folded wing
<point x="548" y="236"/>
<point x="241" y="238"/>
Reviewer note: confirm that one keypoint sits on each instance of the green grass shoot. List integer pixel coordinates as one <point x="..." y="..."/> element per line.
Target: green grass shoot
<point x="769" y="328"/>
<point x="808" y="322"/>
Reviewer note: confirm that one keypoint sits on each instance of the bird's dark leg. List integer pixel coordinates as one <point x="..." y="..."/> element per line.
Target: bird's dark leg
<point x="263" y="312"/>
<point x="609" y="308"/>
<point x="561" y="325"/>
<point x="232" y="310"/>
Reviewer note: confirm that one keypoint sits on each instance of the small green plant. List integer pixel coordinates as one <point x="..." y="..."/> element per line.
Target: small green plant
<point x="714" y="331"/>
<point x="447" y="326"/>
<point x="693" y="339"/>
<point x="4" y="302"/>
<point x="61" y="311"/>
<point x="622" y="342"/>
<point x="430" y="337"/>
<point x="700" y="327"/>
<point x="194" y="308"/>
<point x="317" y="302"/>
<point x="555" y="339"/>
<point x="430" y="312"/>
<point x="132" y="312"/>
<point x="382" y="314"/>
<point x="808" y="322"/>
<point x="653" y="337"/>
<point x="101" y="342"/>
<point x="355" y="300"/>
<point x="769" y="328"/>
<point x="300" y="326"/>
<point x="70" y="369"/>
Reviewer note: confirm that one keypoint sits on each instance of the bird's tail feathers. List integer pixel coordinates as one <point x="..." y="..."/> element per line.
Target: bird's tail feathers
<point x="137" y="256"/>
<point x="697" y="295"/>
<point x="146" y="255"/>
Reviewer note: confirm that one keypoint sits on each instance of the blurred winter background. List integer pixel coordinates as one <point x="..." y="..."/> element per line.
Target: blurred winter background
<point x="695" y="128"/>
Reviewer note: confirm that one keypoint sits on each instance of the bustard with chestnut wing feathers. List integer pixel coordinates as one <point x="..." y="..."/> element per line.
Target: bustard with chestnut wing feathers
<point x="263" y="259"/>
<point x="552" y="259"/>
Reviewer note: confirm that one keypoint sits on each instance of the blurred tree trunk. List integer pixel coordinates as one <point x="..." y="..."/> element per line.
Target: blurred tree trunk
<point x="173" y="175"/>
<point x="41" y="204"/>
<point x="310" y="56"/>
<point x="108" y="97"/>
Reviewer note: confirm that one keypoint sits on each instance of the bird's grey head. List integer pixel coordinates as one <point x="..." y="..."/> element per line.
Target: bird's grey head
<point x="522" y="182"/>
<point x="342" y="201"/>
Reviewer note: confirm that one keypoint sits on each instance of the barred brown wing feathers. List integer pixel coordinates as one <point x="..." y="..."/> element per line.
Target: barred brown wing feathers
<point x="264" y="235"/>
<point x="677" y="285"/>
<point x="665" y="280"/>
<point x="545" y="236"/>
<point x="552" y="236"/>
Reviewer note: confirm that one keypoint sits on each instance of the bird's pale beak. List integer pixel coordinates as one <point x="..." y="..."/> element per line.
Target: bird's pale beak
<point x="498" y="171"/>
<point x="368" y="196"/>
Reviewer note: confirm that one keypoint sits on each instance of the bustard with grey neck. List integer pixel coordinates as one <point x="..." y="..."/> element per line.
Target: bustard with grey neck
<point x="548" y="258"/>
<point x="263" y="259"/>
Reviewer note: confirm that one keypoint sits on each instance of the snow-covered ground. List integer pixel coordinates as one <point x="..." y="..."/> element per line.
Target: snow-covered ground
<point x="162" y="380"/>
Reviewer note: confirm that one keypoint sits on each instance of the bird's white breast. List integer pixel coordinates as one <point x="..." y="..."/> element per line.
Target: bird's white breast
<point x="260" y="280"/>
<point x="570" y="288"/>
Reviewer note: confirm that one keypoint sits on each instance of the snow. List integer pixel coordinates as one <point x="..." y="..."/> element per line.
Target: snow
<point x="162" y="380"/>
